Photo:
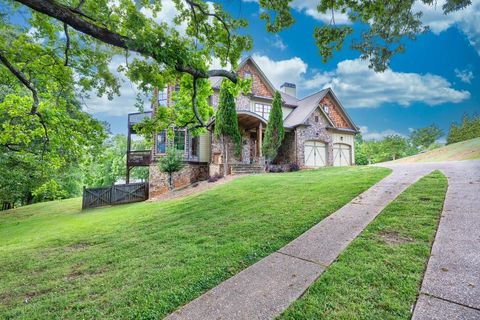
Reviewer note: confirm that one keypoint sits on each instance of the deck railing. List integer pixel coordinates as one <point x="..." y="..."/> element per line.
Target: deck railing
<point x="139" y="158"/>
<point x="134" y="118"/>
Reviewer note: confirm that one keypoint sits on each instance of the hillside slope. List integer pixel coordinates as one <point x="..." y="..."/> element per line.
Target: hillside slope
<point x="144" y="260"/>
<point x="465" y="150"/>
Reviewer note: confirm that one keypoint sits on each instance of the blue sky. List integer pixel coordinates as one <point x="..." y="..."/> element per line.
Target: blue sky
<point x="436" y="80"/>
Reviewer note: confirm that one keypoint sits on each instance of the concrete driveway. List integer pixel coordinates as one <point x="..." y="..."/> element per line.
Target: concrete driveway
<point x="450" y="289"/>
<point x="451" y="286"/>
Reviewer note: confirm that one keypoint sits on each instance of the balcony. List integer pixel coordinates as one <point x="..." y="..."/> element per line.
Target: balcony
<point x="139" y="158"/>
<point x="134" y="118"/>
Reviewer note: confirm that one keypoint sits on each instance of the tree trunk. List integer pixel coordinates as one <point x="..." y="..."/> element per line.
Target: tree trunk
<point x="225" y="156"/>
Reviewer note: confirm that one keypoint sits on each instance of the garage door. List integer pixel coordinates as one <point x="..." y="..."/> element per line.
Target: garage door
<point x="315" y="154"/>
<point x="342" y="154"/>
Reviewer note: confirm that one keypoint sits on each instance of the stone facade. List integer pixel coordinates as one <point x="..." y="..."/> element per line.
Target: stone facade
<point x="334" y="112"/>
<point x="314" y="130"/>
<point x="286" y="152"/>
<point x="158" y="181"/>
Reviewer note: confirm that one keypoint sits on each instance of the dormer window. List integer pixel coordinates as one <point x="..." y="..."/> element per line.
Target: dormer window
<point x="326" y="109"/>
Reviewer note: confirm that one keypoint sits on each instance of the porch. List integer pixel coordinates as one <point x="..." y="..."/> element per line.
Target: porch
<point x="252" y="130"/>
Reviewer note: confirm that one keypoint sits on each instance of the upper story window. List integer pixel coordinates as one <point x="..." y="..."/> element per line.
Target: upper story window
<point x="263" y="110"/>
<point x="247" y="75"/>
<point x="316" y="119"/>
<point x="326" y="109"/>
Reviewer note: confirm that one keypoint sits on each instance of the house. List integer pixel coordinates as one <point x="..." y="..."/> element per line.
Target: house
<point x="318" y="133"/>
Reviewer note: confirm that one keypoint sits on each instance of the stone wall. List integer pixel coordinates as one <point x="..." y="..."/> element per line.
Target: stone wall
<point x="314" y="131"/>
<point x="158" y="181"/>
<point x="286" y="152"/>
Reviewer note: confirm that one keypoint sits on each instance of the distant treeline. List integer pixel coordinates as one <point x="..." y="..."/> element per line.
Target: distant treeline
<point x="468" y="129"/>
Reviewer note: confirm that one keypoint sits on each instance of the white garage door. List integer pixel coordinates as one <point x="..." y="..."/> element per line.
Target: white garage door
<point x="342" y="154"/>
<point x="315" y="154"/>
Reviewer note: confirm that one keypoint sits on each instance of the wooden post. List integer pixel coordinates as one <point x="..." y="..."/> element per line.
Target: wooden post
<point x="260" y="138"/>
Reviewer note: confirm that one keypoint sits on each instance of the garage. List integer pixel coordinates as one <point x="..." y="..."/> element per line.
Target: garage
<point x="315" y="154"/>
<point x="342" y="154"/>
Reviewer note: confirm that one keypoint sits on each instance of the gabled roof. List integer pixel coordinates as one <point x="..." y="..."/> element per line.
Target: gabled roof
<point x="309" y="104"/>
<point x="260" y="72"/>
<point x="305" y="108"/>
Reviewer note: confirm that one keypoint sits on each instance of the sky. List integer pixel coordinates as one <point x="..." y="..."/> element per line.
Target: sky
<point x="437" y="79"/>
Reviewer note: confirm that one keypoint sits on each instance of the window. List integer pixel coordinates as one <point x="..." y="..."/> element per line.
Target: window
<point x="195" y="145"/>
<point x="161" y="141"/>
<point x="263" y="110"/>
<point x="179" y="140"/>
<point x="247" y="75"/>
<point x="316" y="119"/>
<point x="326" y="109"/>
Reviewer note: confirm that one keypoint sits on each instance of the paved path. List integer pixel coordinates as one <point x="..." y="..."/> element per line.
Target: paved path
<point x="451" y="286"/>
<point x="268" y="287"/>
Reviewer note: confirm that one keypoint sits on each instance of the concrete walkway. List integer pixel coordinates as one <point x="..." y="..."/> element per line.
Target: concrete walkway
<point x="451" y="286"/>
<point x="267" y="288"/>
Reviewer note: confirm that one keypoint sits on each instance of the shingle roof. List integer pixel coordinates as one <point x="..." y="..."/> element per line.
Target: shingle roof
<point x="305" y="107"/>
<point x="288" y="99"/>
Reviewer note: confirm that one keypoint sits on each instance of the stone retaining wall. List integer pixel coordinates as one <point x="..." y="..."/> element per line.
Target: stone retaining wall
<point x="192" y="172"/>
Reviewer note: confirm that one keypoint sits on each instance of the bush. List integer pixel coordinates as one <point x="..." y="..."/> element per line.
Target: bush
<point x="294" y="167"/>
<point x="170" y="163"/>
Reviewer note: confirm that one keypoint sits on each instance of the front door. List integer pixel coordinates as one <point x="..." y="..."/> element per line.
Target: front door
<point x="315" y="154"/>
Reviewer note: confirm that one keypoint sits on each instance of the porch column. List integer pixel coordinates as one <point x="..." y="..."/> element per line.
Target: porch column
<point x="260" y="138"/>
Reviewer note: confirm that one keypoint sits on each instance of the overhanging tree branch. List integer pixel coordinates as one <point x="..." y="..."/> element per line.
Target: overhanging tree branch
<point x="72" y="17"/>
<point x="34" y="109"/>
<point x="21" y="77"/>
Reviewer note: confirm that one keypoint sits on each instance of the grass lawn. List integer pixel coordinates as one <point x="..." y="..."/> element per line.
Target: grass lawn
<point x="379" y="275"/>
<point x="464" y="150"/>
<point x="144" y="260"/>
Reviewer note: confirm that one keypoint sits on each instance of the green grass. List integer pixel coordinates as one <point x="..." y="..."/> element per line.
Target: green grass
<point x="145" y="260"/>
<point x="465" y="150"/>
<point x="379" y="275"/>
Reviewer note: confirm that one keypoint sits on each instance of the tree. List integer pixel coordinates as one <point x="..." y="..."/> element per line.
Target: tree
<point x="424" y="137"/>
<point x="468" y="129"/>
<point x="170" y="163"/>
<point x="109" y="165"/>
<point x="275" y="131"/>
<point x="394" y="146"/>
<point x="226" y="123"/>
<point x="82" y="36"/>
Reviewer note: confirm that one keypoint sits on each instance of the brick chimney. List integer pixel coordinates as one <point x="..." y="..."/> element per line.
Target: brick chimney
<point x="289" y="88"/>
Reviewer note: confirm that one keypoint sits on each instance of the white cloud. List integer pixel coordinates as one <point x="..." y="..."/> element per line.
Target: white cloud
<point x="166" y="15"/>
<point x="119" y="105"/>
<point x="278" y="72"/>
<point x="378" y="135"/>
<point x="467" y="20"/>
<point x="464" y="75"/>
<point x="277" y="42"/>
<point x="360" y="87"/>
<point x="309" y="7"/>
